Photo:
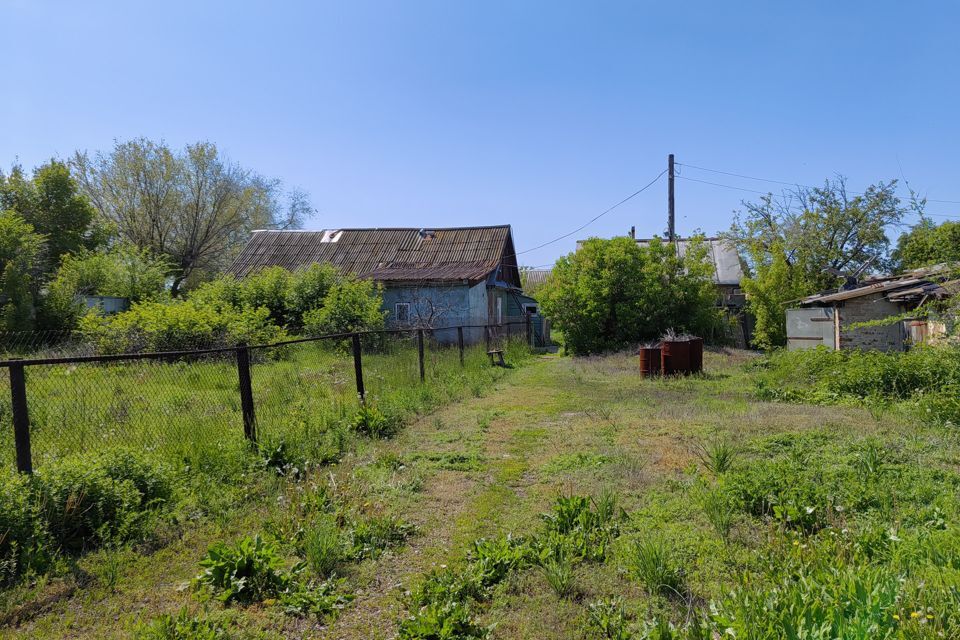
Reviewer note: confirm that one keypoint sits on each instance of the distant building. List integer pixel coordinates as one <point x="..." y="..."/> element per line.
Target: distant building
<point x="834" y="318"/>
<point x="432" y="278"/>
<point x="727" y="269"/>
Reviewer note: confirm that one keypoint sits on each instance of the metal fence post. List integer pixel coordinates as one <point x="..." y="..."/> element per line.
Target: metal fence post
<point x="358" y="368"/>
<point x="21" y="419"/>
<point x="420" y="353"/>
<point x="460" y="343"/>
<point x="246" y="394"/>
<point x="486" y="335"/>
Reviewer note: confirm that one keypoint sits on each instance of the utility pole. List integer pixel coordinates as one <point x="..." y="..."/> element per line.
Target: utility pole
<point x="671" y="228"/>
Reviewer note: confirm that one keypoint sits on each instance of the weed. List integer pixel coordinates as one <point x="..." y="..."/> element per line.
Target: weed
<point x="720" y="510"/>
<point x="558" y="571"/>
<point x="181" y="626"/>
<point x="717" y="456"/>
<point x="651" y="562"/>
<point x="492" y="560"/>
<point x="322" y="601"/>
<point x="370" y="421"/>
<point x="323" y="545"/>
<point x="370" y="538"/>
<point x="607" y="619"/>
<point x="248" y="571"/>
<point x="442" y="620"/>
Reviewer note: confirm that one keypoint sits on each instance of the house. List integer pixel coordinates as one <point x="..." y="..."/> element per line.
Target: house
<point x="836" y="318"/>
<point x="431" y="278"/>
<point x="727" y="269"/>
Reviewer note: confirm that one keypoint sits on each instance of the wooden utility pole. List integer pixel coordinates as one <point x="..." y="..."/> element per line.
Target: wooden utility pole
<point x="671" y="226"/>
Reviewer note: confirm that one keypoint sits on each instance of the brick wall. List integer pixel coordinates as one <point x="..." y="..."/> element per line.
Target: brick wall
<point x="864" y="309"/>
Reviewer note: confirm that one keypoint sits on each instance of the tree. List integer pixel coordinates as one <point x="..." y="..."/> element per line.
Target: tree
<point x="796" y="244"/>
<point x="927" y="244"/>
<point x="21" y="249"/>
<point x="122" y="271"/>
<point x="51" y="203"/>
<point x="192" y="206"/>
<point x="350" y="305"/>
<point x="612" y="294"/>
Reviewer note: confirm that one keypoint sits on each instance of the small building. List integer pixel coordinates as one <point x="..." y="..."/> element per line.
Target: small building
<point x="727" y="268"/>
<point x="872" y="314"/>
<point x="431" y="278"/>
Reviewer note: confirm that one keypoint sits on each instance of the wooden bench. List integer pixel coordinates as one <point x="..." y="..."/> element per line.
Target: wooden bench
<point x="498" y="353"/>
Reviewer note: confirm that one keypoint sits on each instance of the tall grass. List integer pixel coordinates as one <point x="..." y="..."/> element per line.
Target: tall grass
<point x="189" y="411"/>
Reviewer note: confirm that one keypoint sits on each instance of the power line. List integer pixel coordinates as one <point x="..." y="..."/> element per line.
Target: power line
<point x="783" y="182"/>
<point x="596" y="217"/>
<point x="763" y="193"/>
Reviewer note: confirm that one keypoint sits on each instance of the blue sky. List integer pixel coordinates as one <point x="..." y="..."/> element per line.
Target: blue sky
<point x="537" y="114"/>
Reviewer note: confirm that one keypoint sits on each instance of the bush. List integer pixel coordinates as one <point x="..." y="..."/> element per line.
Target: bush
<point x="928" y="376"/>
<point x="182" y="325"/>
<point x="124" y="271"/>
<point x="248" y="571"/>
<point x="22" y="533"/>
<point x="84" y="504"/>
<point x="613" y="294"/>
<point x="351" y="305"/>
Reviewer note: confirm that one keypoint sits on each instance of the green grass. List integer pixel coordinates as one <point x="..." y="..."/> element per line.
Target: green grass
<point x="835" y="521"/>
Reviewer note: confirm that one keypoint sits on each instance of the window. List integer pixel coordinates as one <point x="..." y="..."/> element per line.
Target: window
<point x="402" y="312"/>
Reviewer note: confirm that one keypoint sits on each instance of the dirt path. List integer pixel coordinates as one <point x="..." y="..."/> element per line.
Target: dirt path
<point x="475" y="461"/>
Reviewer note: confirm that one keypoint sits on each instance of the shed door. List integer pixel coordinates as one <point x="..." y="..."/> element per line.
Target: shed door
<point x="808" y="328"/>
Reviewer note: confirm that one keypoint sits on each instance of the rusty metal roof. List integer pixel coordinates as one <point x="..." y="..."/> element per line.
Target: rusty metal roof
<point x="388" y="255"/>
<point x="904" y="287"/>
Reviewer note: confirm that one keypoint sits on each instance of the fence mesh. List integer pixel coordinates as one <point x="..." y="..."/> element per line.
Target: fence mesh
<point x="187" y="407"/>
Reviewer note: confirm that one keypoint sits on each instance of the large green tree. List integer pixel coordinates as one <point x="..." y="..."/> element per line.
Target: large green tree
<point x="612" y="294"/>
<point x="927" y="244"/>
<point x="801" y="243"/>
<point x="192" y="206"/>
<point x="21" y="250"/>
<point x="51" y="203"/>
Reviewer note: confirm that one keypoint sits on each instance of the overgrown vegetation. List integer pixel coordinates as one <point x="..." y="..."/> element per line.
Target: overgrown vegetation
<point x="925" y="380"/>
<point x="613" y="294"/>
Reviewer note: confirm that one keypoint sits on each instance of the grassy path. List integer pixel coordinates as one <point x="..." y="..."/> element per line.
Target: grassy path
<point x="487" y="466"/>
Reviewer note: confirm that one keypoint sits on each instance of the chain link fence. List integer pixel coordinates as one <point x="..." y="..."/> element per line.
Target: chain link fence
<point x="201" y="405"/>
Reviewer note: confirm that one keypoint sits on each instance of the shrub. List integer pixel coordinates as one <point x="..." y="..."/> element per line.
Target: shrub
<point x="248" y="571"/>
<point x="176" y="326"/>
<point x="612" y="294"/>
<point x="84" y="506"/>
<point x="350" y="305"/>
<point x="651" y="562"/>
<point x="22" y="534"/>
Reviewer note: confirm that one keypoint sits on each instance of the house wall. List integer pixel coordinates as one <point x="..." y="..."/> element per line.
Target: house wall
<point x="864" y="309"/>
<point x="441" y="306"/>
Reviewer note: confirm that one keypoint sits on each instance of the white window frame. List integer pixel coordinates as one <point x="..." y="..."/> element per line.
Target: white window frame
<point x="396" y="312"/>
<point x="499" y="310"/>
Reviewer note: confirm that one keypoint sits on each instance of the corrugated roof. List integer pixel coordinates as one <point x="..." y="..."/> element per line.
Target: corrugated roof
<point x="536" y="277"/>
<point x="399" y="254"/>
<point x="726" y="260"/>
